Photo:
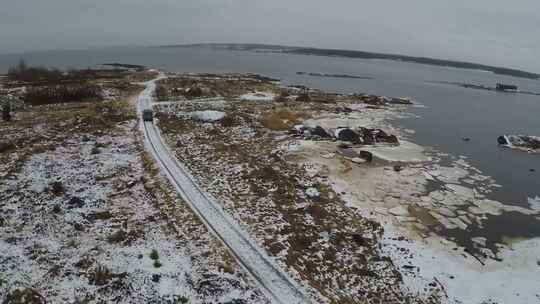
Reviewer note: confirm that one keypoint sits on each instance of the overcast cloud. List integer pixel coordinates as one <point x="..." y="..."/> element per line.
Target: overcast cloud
<point x="493" y="32"/>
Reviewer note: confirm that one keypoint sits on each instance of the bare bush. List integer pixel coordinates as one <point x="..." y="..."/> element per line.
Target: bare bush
<point x="23" y="72"/>
<point x="61" y="93"/>
<point x="162" y="93"/>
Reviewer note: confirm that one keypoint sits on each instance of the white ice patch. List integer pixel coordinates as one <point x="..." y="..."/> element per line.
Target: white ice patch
<point x="405" y="152"/>
<point x="258" y="96"/>
<point x="208" y="116"/>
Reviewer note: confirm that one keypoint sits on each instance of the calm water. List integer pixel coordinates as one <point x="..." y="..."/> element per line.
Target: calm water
<point x="451" y="113"/>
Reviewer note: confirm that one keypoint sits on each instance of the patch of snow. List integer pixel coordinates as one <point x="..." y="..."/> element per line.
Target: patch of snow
<point x="258" y="96"/>
<point x="313" y="192"/>
<point x="208" y="116"/>
<point x="405" y="152"/>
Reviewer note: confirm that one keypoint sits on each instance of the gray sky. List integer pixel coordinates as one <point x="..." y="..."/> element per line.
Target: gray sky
<point x="497" y="32"/>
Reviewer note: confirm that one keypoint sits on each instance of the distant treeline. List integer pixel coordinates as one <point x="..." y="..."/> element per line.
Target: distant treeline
<point x="48" y="86"/>
<point x="368" y="55"/>
<point x="35" y="75"/>
<point x="25" y="73"/>
<point x="422" y="60"/>
<point x="61" y="93"/>
<point x="126" y="66"/>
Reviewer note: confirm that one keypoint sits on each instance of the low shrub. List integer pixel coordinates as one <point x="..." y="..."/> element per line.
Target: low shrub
<point x="24" y="296"/>
<point x="61" y="93"/>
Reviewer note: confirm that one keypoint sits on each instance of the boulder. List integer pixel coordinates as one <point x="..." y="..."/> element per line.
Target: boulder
<point x="75" y="202"/>
<point x="372" y="136"/>
<point x="194" y="91"/>
<point x="381" y="136"/>
<point x="319" y="131"/>
<point x="367" y="156"/>
<point x="6" y="146"/>
<point x="401" y="100"/>
<point x="520" y="141"/>
<point x="502" y="140"/>
<point x="346" y="134"/>
<point x="348" y="153"/>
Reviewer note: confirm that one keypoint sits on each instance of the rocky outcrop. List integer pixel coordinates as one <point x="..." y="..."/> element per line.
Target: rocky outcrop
<point x="523" y="142"/>
<point x="358" y="136"/>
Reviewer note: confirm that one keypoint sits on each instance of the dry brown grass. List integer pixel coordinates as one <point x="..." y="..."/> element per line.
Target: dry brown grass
<point x="281" y="120"/>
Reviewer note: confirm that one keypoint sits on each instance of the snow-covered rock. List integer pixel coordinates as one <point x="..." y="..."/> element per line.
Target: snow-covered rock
<point x="399" y="211"/>
<point x="313" y="193"/>
<point x="208" y="116"/>
<point x="258" y="96"/>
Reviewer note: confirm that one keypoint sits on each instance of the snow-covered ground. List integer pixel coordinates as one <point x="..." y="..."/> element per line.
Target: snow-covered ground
<point x="283" y="204"/>
<point x="423" y="206"/>
<point x="258" y="96"/>
<point x="278" y="286"/>
<point x="85" y="218"/>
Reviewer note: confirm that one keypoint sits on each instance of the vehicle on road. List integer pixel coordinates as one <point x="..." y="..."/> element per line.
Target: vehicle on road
<point x="147" y="115"/>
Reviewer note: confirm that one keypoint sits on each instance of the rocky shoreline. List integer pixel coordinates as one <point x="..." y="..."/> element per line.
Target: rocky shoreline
<point x="350" y="142"/>
<point x="339" y="195"/>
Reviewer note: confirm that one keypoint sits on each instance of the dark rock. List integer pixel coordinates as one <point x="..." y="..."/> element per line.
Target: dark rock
<point x="6" y="112"/>
<point x="402" y="101"/>
<point x="532" y="170"/>
<point x="521" y="141"/>
<point x="319" y="131"/>
<point x="95" y="150"/>
<point x="12" y="240"/>
<point x="118" y="236"/>
<point x="304" y="97"/>
<point x="57" y="188"/>
<point x="373" y="100"/>
<point x="372" y="136"/>
<point x="398" y="168"/>
<point x="194" y="92"/>
<point x="381" y="136"/>
<point x="346" y="134"/>
<point x="366" y="155"/>
<point x="237" y="301"/>
<point x="466" y="139"/>
<point x="298" y="130"/>
<point x="76" y="202"/>
<point x="348" y="153"/>
<point x="359" y="240"/>
<point x="77" y="226"/>
<point x="502" y="140"/>
<point x="56" y="209"/>
<point x="409" y="267"/>
<point x="6" y="146"/>
<point x="156" y="278"/>
<point x="102" y="215"/>
<point x="24" y="296"/>
<point x="345" y="110"/>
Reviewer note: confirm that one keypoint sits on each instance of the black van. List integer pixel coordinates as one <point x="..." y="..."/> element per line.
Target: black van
<point x="147" y="115"/>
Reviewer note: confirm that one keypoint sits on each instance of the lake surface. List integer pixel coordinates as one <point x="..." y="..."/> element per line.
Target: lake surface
<point x="451" y="112"/>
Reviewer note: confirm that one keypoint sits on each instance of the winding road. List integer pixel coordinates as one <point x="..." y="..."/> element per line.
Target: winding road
<point x="274" y="282"/>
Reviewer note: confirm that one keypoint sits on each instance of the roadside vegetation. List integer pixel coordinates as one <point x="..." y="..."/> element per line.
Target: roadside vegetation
<point x="85" y="215"/>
